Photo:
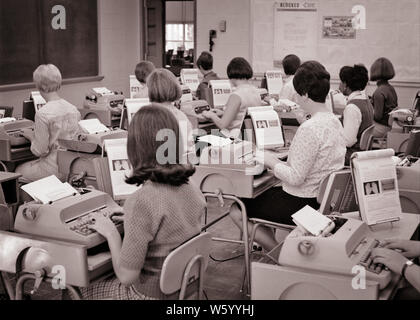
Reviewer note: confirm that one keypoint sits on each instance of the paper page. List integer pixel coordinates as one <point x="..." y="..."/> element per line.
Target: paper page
<point x="267" y="128"/>
<point x="311" y="220"/>
<point x="186" y="94"/>
<point x="375" y="178"/>
<point x="119" y="168"/>
<point x="134" y="105"/>
<point x="189" y="77"/>
<point x="221" y="90"/>
<point x="49" y="189"/>
<point x="92" y="126"/>
<point x="274" y="81"/>
<point x="215" y="141"/>
<point x="39" y="101"/>
<point x="103" y="91"/>
<point x="6" y="120"/>
<point x="135" y="86"/>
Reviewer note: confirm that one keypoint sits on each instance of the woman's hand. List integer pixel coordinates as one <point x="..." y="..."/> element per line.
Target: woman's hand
<point x="410" y="249"/>
<point x="209" y="115"/>
<point x="104" y="226"/>
<point x="390" y="258"/>
<point x="269" y="159"/>
<point x="28" y="134"/>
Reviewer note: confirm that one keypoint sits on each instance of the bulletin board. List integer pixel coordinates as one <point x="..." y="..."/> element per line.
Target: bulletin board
<point x="392" y="31"/>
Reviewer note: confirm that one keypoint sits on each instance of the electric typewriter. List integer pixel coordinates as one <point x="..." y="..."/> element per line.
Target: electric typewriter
<point x="13" y="145"/>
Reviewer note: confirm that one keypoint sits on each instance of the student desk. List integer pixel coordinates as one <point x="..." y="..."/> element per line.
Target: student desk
<point x="267" y="277"/>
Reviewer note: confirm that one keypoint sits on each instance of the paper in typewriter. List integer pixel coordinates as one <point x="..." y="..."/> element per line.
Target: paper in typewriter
<point x="135" y="86"/>
<point x="311" y="220"/>
<point x="134" y="105"/>
<point x="221" y="90"/>
<point x="49" y="190"/>
<point x="375" y="180"/>
<point x="189" y="77"/>
<point x="92" y="126"/>
<point x="119" y="168"/>
<point x="274" y="81"/>
<point x="267" y="127"/>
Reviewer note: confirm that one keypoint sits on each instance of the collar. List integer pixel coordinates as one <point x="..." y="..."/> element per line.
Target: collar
<point x="357" y="95"/>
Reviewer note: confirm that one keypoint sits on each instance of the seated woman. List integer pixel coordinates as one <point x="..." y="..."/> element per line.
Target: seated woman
<point x="165" y="89"/>
<point x="205" y="65"/>
<point x="384" y="98"/>
<point x="143" y="70"/>
<point x="245" y="95"/>
<point x="317" y="150"/>
<point x="400" y="263"/>
<point x="358" y="113"/>
<point x="159" y="217"/>
<point x="58" y="119"/>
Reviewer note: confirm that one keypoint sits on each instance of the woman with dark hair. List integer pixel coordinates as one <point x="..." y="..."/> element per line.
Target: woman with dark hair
<point x="384" y="98"/>
<point x="358" y="113"/>
<point x="317" y="150"/>
<point x="143" y="70"/>
<point x="245" y="95"/>
<point x="161" y="215"/>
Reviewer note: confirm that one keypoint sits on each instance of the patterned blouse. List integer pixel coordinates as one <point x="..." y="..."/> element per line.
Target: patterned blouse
<point x="317" y="150"/>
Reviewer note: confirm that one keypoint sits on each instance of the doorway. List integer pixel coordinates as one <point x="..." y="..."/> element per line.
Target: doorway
<point x="170" y="33"/>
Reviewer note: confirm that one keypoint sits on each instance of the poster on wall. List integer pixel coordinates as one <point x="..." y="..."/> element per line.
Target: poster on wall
<point x="338" y="27"/>
<point x="295" y="29"/>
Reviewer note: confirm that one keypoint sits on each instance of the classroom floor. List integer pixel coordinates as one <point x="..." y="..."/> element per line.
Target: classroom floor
<point x="223" y="279"/>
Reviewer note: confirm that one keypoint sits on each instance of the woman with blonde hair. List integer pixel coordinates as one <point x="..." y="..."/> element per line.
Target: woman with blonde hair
<point x="58" y="119"/>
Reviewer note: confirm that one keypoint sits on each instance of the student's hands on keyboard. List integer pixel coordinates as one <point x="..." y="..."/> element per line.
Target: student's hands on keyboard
<point x="389" y="258"/>
<point x="410" y="249"/>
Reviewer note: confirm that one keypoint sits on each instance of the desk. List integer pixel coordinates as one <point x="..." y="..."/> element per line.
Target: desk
<point x="267" y="279"/>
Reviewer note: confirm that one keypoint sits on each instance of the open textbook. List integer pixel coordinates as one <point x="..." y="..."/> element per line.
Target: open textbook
<point x="274" y="81"/>
<point x="134" y="105"/>
<point x="221" y="90"/>
<point x="119" y="168"/>
<point x="135" y="86"/>
<point x="189" y="77"/>
<point x="376" y="186"/>
<point x="267" y="127"/>
<point x="49" y="189"/>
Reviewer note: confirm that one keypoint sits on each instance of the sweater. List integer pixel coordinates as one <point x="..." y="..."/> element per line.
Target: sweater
<point x="159" y="218"/>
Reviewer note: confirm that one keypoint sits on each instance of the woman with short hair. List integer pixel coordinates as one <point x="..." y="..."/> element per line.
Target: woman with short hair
<point x="164" y="89"/>
<point x="58" y="119"/>
<point x="317" y="150"/>
<point x="244" y="95"/>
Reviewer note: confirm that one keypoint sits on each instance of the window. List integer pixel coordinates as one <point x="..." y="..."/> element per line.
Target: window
<point x="179" y="35"/>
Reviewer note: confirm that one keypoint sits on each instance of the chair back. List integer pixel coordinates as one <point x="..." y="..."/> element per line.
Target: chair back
<point x="185" y="265"/>
<point x="366" y="138"/>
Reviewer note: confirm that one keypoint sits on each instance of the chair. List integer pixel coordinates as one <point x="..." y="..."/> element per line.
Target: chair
<point x="366" y="139"/>
<point x="186" y="265"/>
<point x="416" y="103"/>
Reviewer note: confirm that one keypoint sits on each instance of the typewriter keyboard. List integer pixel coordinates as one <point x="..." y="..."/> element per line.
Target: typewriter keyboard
<point x="367" y="261"/>
<point x="81" y="224"/>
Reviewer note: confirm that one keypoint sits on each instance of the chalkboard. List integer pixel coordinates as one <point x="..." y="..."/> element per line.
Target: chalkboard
<point x="34" y="32"/>
<point x="392" y="31"/>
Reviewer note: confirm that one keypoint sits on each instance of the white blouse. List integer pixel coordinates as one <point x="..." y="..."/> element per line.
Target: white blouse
<point x="317" y="150"/>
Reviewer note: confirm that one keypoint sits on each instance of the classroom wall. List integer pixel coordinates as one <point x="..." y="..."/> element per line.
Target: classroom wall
<point x="119" y="49"/>
<point x="236" y="41"/>
<point x="232" y="43"/>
